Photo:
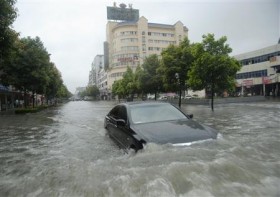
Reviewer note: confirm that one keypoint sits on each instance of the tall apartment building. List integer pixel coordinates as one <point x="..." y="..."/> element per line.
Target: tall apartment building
<point x="130" y="42"/>
<point x="102" y="84"/>
<point x="260" y="72"/>
<point x="92" y="77"/>
<point x="96" y="66"/>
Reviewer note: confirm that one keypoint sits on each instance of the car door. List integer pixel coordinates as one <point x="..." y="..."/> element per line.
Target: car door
<point x="124" y="132"/>
<point x="116" y="130"/>
<point x="121" y="133"/>
<point x="111" y="121"/>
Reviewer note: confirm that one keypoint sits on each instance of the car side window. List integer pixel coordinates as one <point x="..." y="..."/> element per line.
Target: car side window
<point x="122" y="113"/>
<point x="119" y="112"/>
<point x="115" y="112"/>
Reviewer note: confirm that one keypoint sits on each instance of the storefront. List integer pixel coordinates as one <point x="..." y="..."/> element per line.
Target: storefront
<point x="6" y="98"/>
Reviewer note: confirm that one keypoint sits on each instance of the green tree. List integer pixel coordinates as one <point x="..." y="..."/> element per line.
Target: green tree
<point x="176" y="63"/>
<point x="129" y="83"/>
<point x="93" y="91"/>
<point x="55" y="83"/>
<point x="150" y="80"/>
<point x="63" y="92"/>
<point x="7" y="35"/>
<point x="118" y="89"/>
<point x="213" y="68"/>
<point x="30" y="67"/>
<point x="55" y="87"/>
<point x="34" y="63"/>
<point x="82" y="94"/>
<point x="25" y="63"/>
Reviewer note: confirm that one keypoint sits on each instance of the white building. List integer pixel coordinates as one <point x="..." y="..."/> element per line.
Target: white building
<point x="260" y="72"/>
<point x="128" y="43"/>
<point x="96" y="66"/>
<point x="102" y="84"/>
<point x="92" y="77"/>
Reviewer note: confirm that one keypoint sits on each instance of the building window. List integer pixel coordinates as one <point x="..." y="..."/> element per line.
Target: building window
<point x="129" y="48"/>
<point x="143" y="39"/>
<point x="127" y="33"/>
<point x="128" y="40"/>
<point x="154" y="48"/>
<point x="258" y="59"/>
<point x="119" y="74"/>
<point x="160" y="34"/>
<point x="254" y="74"/>
<point x="143" y="47"/>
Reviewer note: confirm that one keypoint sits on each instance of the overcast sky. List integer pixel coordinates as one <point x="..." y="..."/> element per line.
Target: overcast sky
<point x="73" y="31"/>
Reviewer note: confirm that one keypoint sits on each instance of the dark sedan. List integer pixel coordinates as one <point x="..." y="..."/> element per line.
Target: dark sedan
<point x="133" y="124"/>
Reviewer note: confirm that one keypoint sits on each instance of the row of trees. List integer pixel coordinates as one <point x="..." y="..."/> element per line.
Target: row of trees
<point x="24" y="62"/>
<point x="206" y="65"/>
<point x="91" y="91"/>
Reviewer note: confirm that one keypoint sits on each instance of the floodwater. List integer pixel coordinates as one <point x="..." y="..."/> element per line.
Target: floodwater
<point x="65" y="151"/>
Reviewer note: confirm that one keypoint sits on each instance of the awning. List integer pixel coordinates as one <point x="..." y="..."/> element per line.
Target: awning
<point x="3" y="88"/>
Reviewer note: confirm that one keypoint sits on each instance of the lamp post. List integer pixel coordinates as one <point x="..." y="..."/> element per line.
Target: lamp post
<point x="177" y="76"/>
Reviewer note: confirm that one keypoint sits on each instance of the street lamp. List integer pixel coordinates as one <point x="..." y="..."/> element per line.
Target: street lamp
<point x="177" y="76"/>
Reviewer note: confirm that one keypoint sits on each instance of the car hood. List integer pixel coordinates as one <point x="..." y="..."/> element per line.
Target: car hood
<point x="175" y="132"/>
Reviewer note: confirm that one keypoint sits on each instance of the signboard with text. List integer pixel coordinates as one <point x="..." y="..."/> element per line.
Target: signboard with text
<point x="122" y="14"/>
<point x="266" y="80"/>
<point x="247" y="83"/>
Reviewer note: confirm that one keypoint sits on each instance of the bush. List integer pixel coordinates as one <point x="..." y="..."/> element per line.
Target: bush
<point x="30" y="110"/>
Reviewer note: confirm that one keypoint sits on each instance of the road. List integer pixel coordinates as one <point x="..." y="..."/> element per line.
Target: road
<point x="64" y="151"/>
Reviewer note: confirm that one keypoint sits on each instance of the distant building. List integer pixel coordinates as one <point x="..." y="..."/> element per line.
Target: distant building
<point x="96" y="66"/>
<point x="80" y="89"/>
<point x="102" y="84"/>
<point x="260" y="72"/>
<point x="130" y="42"/>
<point x="92" y="77"/>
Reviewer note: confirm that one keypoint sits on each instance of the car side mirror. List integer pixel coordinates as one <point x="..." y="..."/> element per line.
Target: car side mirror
<point x="191" y="116"/>
<point x="121" y="122"/>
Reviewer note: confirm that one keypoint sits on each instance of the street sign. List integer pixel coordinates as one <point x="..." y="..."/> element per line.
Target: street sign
<point x="266" y="80"/>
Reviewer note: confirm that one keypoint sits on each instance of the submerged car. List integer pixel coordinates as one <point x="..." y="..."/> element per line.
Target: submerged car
<point x="132" y="125"/>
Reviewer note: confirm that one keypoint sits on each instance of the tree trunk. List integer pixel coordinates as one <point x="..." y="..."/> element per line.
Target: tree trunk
<point x="180" y="95"/>
<point x="155" y="95"/>
<point x="33" y="99"/>
<point x="25" y="100"/>
<point x="212" y="97"/>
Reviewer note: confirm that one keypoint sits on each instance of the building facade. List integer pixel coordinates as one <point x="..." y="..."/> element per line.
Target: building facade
<point x="129" y="43"/>
<point x="102" y="84"/>
<point x="260" y="72"/>
<point x="92" y="77"/>
<point x="96" y="66"/>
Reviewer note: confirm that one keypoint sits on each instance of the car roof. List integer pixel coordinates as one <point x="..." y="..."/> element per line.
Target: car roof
<point x="144" y="103"/>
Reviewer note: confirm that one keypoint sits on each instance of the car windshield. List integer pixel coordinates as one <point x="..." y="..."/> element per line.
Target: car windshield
<point x="154" y="113"/>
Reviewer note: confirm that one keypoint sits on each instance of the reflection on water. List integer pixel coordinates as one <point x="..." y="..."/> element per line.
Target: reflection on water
<point x="65" y="151"/>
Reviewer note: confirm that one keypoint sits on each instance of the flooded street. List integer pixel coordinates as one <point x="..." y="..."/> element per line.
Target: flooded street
<point x="65" y="151"/>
